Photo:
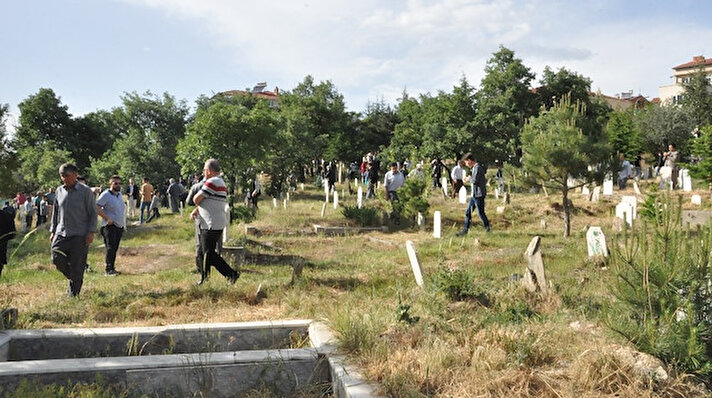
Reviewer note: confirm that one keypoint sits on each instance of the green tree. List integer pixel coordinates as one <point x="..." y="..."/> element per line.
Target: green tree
<point x="43" y="171"/>
<point x="623" y="134"/>
<point x="43" y="119"/>
<point x="237" y="136"/>
<point x="150" y="127"/>
<point x="407" y="134"/>
<point x="661" y="125"/>
<point x="8" y="160"/>
<point x="555" y="148"/>
<point x="556" y="85"/>
<point x="702" y="148"/>
<point x="504" y="103"/>
<point x="697" y="98"/>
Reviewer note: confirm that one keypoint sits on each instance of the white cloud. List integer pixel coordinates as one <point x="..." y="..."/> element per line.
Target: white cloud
<point x="372" y="49"/>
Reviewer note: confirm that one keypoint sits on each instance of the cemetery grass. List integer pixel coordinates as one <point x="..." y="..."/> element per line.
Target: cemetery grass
<point x="471" y="331"/>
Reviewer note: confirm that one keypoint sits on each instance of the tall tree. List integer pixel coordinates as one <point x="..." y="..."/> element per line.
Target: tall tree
<point x="556" y="147"/>
<point x="150" y="126"/>
<point x="8" y="160"/>
<point x="662" y="125"/>
<point x="43" y="118"/>
<point x="697" y="98"/>
<point x="556" y="85"/>
<point x="623" y="134"/>
<point x="237" y="136"/>
<point x="702" y="148"/>
<point x="504" y="103"/>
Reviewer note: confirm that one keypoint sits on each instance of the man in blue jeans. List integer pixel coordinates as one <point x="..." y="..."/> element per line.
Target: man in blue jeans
<point x="479" y="191"/>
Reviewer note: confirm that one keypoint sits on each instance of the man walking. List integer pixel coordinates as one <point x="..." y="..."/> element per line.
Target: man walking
<point x="479" y="191"/>
<point x="72" y="227"/>
<point x="211" y="201"/>
<point x="110" y="207"/>
<point x="146" y="196"/>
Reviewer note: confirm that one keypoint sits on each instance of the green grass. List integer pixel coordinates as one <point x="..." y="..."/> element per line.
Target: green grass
<point x="472" y="332"/>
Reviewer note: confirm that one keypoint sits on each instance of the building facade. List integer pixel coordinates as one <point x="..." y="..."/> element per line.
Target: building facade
<point x="672" y="93"/>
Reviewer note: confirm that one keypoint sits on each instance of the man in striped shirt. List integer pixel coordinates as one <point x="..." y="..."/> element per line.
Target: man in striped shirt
<point x="211" y="201"/>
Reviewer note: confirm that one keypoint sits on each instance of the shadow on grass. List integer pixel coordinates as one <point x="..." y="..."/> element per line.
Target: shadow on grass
<point x="345" y="283"/>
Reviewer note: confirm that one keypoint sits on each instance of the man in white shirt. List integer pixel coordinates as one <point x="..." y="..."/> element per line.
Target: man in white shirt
<point x="394" y="180"/>
<point x="457" y="175"/>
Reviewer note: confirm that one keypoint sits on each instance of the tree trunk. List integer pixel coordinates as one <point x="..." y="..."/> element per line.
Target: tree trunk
<point x="567" y="212"/>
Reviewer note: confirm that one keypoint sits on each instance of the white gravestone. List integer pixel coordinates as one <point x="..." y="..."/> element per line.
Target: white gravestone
<point x="608" y="187"/>
<point x="633" y="203"/>
<point x="624" y="211"/>
<point x="302" y="186"/>
<point x="665" y="175"/>
<point x="636" y="188"/>
<point x="326" y="191"/>
<point x="410" y="248"/>
<point x="685" y="180"/>
<point x="285" y="203"/>
<point x="421" y="219"/>
<point x="596" y="241"/>
<point x="227" y="226"/>
<point x="323" y="209"/>
<point x="436" y="224"/>
<point x="274" y="202"/>
<point x="288" y="195"/>
<point x="696" y="200"/>
<point x="444" y="184"/>
<point x="359" y="199"/>
<point x="336" y="200"/>
<point x="585" y="191"/>
<point x="463" y="195"/>
<point x="496" y="193"/>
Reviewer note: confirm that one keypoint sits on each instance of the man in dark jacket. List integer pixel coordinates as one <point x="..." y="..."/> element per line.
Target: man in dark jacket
<point x="479" y="191"/>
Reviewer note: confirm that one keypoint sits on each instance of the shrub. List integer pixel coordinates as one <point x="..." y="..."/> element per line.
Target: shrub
<point x="413" y="198"/>
<point x="459" y="285"/>
<point x="242" y="213"/>
<point x="365" y="216"/>
<point x="664" y="293"/>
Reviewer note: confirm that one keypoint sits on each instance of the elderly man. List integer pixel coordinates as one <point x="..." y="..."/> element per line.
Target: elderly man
<point x="72" y="228"/>
<point x="175" y="191"/>
<point x="479" y="191"/>
<point x="211" y="201"/>
<point x="110" y="207"/>
<point x="394" y="179"/>
<point x="457" y="176"/>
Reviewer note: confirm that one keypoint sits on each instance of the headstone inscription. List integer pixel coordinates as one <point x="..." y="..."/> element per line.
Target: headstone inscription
<point x="596" y="241"/>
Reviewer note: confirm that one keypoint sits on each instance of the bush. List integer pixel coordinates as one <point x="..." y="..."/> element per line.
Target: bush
<point x="413" y="198"/>
<point x="365" y="216"/>
<point x="663" y="288"/>
<point x="459" y="285"/>
<point x="242" y="214"/>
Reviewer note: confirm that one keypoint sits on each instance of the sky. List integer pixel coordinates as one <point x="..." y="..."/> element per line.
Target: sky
<point x="91" y="52"/>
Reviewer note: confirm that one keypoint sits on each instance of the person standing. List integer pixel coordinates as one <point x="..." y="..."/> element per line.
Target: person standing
<point x="253" y="192"/>
<point x="211" y="201"/>
<point x="42" y="210"/>
<point x="110" y="207"/>
<point x="479" y="191"/>
<point x="457" y="175"/>
<point x="175" y="191"/>
<point x="672" y="157"/>
<point x="155" y="204"/>
<point x="394" y="179"/>
<point x="146" y="196"/>
<point x="625" y="173"/>
<point x="72" y="227"/>
<point x="132" y="196"/>
<point x="7" y="232"/>
<point x="29" y="212"/>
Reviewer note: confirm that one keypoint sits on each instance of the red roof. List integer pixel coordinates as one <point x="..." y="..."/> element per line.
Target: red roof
<point x="696" y="61"/>
<point x="261" y="94"/>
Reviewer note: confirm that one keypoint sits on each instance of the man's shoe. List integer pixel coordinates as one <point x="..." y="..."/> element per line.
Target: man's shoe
<point x="111" y="272"/>
<point x="233" y="278"/>
<point x="461" y="233"/>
